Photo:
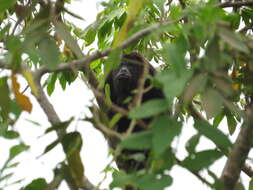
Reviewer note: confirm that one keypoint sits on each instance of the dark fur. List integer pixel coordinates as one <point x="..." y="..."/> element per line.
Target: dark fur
<point x="123" y="80"/>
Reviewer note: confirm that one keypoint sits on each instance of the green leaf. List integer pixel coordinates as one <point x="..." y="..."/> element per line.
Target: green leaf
<point x="4" y="31"/>
<point x="212" y="133"/>
<point x="231" y="123"/>
<point x="51" y="83"/>
<point x="192" y="143"/>
<point x="11" y="134"/>
<point x="173" y="84"/>
<point x="49" y="52"/>
<point x="59" y="126"/>
<point x="149" y="108"/>
<point x="5" y="101"/>
<point x="201" y="159"/>
<point x="151" y="182"/>
<point x="90" y="36"/>
<point x="217" y="120"/>
<point x="38" y="184"/>
<point x="72" y="142"/>
<point x="64" y="34"/>
<point x="164" y="130"/>
<point x="212" y="103"/>
<point x="233" y="40"/>
<point x="6" y="4"/>
<point x="121" y="179"/>
<point x="16" y="150"/>
<point x="6" y="177"/>
<point x="138" y="141"/>
<point x="196" y="85"/>
<point x="51" y="146"/>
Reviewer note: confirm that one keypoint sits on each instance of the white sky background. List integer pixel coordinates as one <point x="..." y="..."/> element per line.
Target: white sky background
<point x="73" y="102"/>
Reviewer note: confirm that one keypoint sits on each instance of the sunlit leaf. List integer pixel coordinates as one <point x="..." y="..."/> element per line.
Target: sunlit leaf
<point x="38" y="184"/>
<point x="22" y="100"/>
<point x="4" y="5"/>
<point x="133" y="9"/>
<point x="29" y="78"/>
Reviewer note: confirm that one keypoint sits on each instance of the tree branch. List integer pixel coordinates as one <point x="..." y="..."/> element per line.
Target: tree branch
<point x="238" y="154"/>
<point x="54" y="119"/>
<point x="82" y="63"/>
<point x="235" y="4"/>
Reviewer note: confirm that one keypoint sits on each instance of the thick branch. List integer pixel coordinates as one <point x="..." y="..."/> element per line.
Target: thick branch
<point x="54" y="119"/>
<point x="247" y="169"/>
<point x="235" y="4"/>
<point x="238" y="154"/>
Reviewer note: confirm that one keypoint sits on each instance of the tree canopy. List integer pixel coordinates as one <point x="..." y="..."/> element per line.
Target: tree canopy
<point x="205" y="70"/>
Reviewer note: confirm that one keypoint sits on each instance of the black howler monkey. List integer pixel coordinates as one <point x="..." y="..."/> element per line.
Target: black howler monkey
<point x="123" y="81"/>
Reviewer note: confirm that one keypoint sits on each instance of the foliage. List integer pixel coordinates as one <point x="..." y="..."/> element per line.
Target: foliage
<point x="203" y="49"/>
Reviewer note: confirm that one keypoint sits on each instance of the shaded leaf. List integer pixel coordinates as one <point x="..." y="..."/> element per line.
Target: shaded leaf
<point x="215" y="135"/>
<point x="51" y="83"/>
<point x="121" y="179"/>
<point x="233" y="40"/>
<point x="164" y="130"/>
<point x="138" y="141"/>
<point x="173" y="84"/>
<point x="151" y="182"/>
<point x="201" y="159"/>
<point x="59" y="126"/>
<point x="5" y="101"/>
<point x="150" y="108"/>
<point x="196" y="85"/>
<point x="63" y="32"/>
<point x="192" y="143"/>
<point x="11" y="134"/>
<point x="231" y="123"/>
<point x="212" y="103"/>
<point x="72" y="144"/>
<point x="51" y="146"/>
<point x="49" y="52"/>
<point x="16" y="150"/>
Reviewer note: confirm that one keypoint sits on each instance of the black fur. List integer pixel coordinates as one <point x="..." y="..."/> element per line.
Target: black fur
<point x="123" y="81"/>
